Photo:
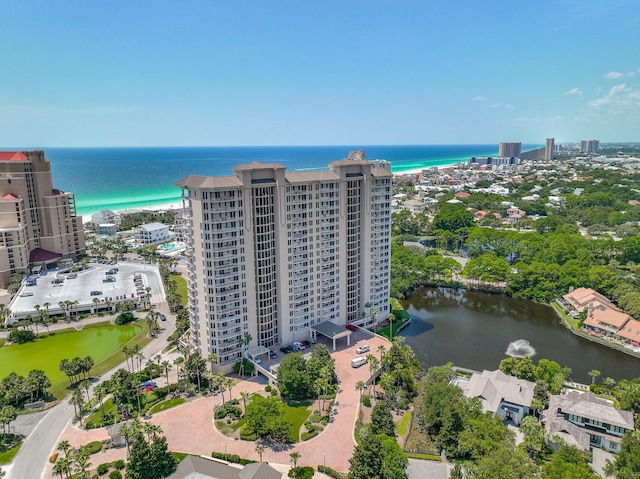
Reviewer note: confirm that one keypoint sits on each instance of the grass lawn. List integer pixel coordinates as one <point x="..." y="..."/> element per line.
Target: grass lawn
<point x="428" y="457"/>
<point x="181" y="288"/>
<point x="102" y="342"/>
<point x="7" y="456"/>
<point x="229" y="429"/>
<point x="402" y="426"/>
<point x="574" y="323"/>
<point x="168" y="404"/>
<point x="297" y="413"/>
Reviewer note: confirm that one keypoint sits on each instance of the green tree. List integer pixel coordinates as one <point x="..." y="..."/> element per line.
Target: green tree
<point x="149" y="458"/>
<point x="594" y="373"/>
<point x="382" y="420"/>
<point x="568" y="463"/>
<point x="627" y="462"/>
<point x="266" y="418"/>
<point x="295" y="455"/>
<point x="378" y="457"/>
<point x="506" y="462"/>
<point x="534" y="437"/>
<point x="293" y="380"/>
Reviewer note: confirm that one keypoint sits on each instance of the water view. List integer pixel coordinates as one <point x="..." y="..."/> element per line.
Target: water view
<point x="477" y="330"/>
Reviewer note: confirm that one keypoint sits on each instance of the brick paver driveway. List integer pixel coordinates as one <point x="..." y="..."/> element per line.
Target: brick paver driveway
<point x="189" y="427"/>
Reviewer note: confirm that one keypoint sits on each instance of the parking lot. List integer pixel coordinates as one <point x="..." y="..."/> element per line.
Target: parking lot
<point x="92" y="288"/>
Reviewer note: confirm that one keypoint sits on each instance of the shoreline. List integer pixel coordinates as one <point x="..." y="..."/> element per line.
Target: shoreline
<point x="86" y="218"/>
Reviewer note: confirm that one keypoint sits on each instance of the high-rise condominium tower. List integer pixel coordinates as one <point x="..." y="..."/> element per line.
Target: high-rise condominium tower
<point x="272" y="254"/>
<point x="38" y="223"/>
<point x="509" y="150"/>
<point x="589" y="146"/>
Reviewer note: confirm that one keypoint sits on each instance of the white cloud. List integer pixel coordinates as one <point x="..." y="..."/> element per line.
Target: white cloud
<point x="613" y="75"/>
<point x="477" y="98"/>
<point x="503" y="105"/>
<point x="616" y="75"/>
<point x="619" y="95"/>
<point x="574" y="91"/>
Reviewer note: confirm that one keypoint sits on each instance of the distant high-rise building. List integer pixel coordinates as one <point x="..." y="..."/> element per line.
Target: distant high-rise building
<point x="549" y="149"/>
<point x="589" y="146"/>
<point x="38" y="223"/>
<point x="273" y="254"/>
<point x="508" y="150"/>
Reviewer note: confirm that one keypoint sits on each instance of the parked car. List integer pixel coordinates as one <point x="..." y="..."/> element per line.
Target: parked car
<point x="162" y="317"/>
<point x="312" y="340"/>
<point x="351" y="327"/>
<point x="306" y="343"/>
<point x="287" y="349"/>
<point x="362" y="349"/>
<point x="298" y="345"/>
<point x="272" y="354"/>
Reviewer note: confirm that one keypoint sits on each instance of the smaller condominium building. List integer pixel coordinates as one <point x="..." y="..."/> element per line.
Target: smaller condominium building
<point x="272" y="254"/>
<point x="38" y="223"/>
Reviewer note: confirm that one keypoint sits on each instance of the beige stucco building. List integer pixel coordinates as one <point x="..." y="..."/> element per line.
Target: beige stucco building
<point x="272" y="254"/>
<point x="38" y="223"/>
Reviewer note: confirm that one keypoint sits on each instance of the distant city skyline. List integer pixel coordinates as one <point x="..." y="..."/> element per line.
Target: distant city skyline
<point x="325" y="73"/>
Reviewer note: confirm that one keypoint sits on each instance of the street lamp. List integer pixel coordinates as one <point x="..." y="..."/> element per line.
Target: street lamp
<point x="324" y="461"/>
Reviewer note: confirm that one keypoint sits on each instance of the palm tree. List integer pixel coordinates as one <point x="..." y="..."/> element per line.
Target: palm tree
<point x="260" y="450"/>
<point x="65" y="447"/>
<point x="374" y="364"/>
<point x="391" y="318"/>
<point x="85" y="384"/>
<point x="100" y="390"/>
<point x="150" y="365"/>
<point x="245" y="395"/>
<point x="381" y="350"/>
<point x="127" y="352"/>
<point x="229" y="383"/>
<point x="95" y="304"/>
<point x="178" y="361"/>
<point x="213" y="359"/>
<point x="81" y="462"/>
<point x="295" y="455"/>
<point x="61" y="466"/>
<point x="4" y="314"/>
<point x="77" y="399"/>
<point x="220" y="380"/>
<point x="361" y="386"/>
<point x="166" y="366"/>
<point x="594" y="373"/>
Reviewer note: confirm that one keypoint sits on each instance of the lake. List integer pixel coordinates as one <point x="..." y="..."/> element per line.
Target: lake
<point x="474" y="330"/>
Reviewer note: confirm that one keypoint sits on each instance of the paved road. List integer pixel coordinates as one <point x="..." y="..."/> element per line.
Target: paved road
<point x="32" y="458"/>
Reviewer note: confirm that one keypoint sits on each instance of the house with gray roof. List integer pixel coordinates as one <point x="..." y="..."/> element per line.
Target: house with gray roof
<point x="584" y="421"/>
<point x="500" y="394"/>
<point x="152" y="233"/>
<point x="197" y="467"/>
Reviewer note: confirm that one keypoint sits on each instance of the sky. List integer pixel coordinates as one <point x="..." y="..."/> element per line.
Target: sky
<point x="256" y="72"/>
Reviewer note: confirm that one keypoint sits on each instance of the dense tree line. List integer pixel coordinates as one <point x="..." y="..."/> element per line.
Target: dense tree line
<point x="77" y="368"/>
<point x="15" y="390"/>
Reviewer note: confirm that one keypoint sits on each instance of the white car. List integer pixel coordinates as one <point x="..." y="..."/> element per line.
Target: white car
<point x="298" y="345"/>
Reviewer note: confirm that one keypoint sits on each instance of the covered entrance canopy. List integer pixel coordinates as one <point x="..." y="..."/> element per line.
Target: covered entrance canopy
<point x="257" y="351"/>
<point x="332" y="331"/>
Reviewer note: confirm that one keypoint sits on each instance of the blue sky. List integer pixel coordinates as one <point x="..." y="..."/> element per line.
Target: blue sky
<point x="145" y="73"/>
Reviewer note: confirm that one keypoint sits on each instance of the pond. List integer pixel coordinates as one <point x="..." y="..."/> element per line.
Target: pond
<point x="474" y="330"/>
<point x="46" y="352"/>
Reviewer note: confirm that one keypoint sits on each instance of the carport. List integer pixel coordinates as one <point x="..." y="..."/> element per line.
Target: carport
<point x="332" y="331"/>
<point x="257" y="351"/>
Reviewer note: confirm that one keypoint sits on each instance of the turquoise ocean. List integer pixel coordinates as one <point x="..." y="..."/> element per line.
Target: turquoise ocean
<point x="126" y="178"/>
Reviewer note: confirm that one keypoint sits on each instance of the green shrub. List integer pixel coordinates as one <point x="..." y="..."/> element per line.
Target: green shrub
<point x="93" y="447"/>
<point x="247" y="434"/>
<point x="274" y="392"/>
<point x="119" y="465"/>
<point x="115" y="475"/>
<point x="305" y="436"/>
<point x="228" y="457"/>
<point x="125" y="318"/>
<point x="268" y="388"/>
<point x="103" y="469"/>
<point x="21" y="336"/>
<point x="366" y="400"/>
<point x="95" y="476"/>
<point x="330" y="472"/>
<point x="304" y="472"/>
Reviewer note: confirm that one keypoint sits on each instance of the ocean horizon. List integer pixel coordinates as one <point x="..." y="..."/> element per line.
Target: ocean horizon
<point x="120" y="178"/>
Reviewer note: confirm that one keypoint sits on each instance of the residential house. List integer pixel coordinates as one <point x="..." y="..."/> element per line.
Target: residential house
<point x="585" y="421"/>
<point x="462" y="194"/>
<point x="605" y="320"/>
<point x="106" y="217"/>
<point x="197" y="467"/>
<point x="108" y="229"/>
<point x="580" y="298"/>
<point x="514" y="215"/>
<point x="501" y="394"/>
<point x="152" y="233"/>
<point x="414" y="206"/>
<point x="630" y="332"/>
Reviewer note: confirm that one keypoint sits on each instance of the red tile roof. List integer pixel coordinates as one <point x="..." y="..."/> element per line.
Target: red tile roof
<point x="630" y="331"/>
<point x="12" y="156"/>
<point x="9" y="196"/>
